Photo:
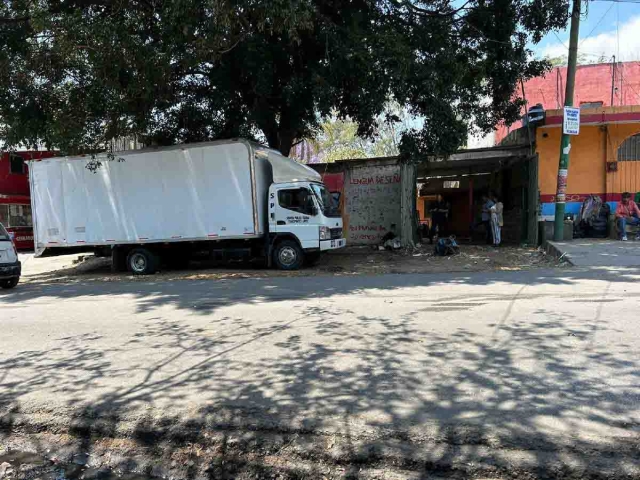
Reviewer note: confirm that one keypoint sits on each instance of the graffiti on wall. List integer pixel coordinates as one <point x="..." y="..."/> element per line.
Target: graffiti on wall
<point x="372" y="202"/>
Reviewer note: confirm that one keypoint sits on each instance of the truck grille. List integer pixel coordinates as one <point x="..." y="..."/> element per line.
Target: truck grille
<point x="336" y="233"/>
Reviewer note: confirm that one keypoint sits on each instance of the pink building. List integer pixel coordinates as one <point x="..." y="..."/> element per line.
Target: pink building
<point x="594" y="87"/>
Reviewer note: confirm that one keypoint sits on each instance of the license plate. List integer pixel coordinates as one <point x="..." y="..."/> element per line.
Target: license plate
<point x="337" y="243"/>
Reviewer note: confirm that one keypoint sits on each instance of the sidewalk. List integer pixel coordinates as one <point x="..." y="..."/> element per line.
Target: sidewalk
<point x="591" y="252"/>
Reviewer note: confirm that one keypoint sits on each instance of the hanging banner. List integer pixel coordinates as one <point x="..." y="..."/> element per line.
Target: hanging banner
<point x="571" y="123"/>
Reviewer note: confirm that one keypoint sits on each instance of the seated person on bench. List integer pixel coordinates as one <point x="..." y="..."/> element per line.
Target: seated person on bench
<point x="627" y="213"/>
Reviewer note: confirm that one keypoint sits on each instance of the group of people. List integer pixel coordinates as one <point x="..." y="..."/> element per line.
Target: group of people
<point x="492" y="218"/>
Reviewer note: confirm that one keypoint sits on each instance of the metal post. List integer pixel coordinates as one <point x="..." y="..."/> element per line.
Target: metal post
<point x="613" y="79"/>
<point x="565" y="143"/>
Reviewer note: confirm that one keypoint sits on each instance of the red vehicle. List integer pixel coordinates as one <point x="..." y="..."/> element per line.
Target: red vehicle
<point x="15" y="199"/>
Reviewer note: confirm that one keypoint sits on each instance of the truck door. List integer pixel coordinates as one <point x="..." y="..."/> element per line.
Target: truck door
<point x="293" y="209"/>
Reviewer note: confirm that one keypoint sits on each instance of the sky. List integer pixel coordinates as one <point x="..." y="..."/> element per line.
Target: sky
<point x="610" y="28"/>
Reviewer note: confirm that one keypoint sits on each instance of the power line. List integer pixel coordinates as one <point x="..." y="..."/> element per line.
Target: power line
<point x="581" y="52"/>
<point x="597" y="24"/>
<point x="560" y="40"/>
<point x="632" y="89"/>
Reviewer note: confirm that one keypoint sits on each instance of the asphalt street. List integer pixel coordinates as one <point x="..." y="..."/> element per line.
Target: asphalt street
<point x="538" y="360"/>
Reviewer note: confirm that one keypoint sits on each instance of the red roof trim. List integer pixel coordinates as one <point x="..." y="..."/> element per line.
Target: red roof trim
<point x="597" y="118"/>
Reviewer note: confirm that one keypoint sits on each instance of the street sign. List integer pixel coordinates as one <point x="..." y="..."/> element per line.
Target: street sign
<point x="571" y="124"/>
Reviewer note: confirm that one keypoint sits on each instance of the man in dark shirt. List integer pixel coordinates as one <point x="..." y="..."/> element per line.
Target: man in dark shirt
<point x="439" y="213"/>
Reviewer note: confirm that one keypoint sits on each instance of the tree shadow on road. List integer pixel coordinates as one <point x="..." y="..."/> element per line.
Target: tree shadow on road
<point x="233" y="398"/>
<point x="206" y="296"/>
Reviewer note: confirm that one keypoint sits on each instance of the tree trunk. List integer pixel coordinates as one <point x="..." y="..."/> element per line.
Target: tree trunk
<point x="278" y="140"/>
<point x="286" y="142"/>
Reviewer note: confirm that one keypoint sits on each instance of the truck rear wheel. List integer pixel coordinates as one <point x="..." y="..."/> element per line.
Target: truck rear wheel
<point x="141" y="261"/>
<point x="287" y="255"/>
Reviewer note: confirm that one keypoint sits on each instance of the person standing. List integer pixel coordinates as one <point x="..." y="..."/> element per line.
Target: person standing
<point x="627" y="212"/>
<point x="497" y="221"/>
<point x="487" y="203"/>
<point x="439" y="214"/>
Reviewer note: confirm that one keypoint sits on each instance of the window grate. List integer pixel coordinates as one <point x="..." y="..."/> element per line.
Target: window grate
<point x="629" y="150"/>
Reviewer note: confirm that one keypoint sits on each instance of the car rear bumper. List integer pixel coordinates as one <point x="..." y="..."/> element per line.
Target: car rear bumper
<point x="10" y="270"/>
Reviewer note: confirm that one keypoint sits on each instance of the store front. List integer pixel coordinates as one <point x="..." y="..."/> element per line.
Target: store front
<point x="15" y="215"/>
<point x="15" y="199"/>
<point x="457" y="184"/>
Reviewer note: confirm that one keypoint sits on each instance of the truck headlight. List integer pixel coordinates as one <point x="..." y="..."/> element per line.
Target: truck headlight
<point x="325" y="233"/>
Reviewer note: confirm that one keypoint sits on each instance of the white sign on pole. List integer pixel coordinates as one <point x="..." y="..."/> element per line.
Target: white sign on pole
<point x="571" y="124"/>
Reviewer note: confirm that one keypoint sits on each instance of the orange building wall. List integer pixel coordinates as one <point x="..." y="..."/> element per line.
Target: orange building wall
<point x="590" y="151"/>
<point x="587" y="173"/>
<point x="627" y="178"/>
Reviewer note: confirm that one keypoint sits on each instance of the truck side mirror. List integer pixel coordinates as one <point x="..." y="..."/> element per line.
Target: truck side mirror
<point x="314" y="211"/>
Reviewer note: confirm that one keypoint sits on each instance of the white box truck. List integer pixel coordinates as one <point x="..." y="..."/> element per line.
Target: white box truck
<point x="224" y="198"/>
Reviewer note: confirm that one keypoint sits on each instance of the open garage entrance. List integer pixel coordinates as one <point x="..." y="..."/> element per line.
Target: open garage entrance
<point x="462" y="179"/>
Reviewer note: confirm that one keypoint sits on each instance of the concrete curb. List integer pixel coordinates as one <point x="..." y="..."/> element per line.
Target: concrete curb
<point x="553" y="249"/>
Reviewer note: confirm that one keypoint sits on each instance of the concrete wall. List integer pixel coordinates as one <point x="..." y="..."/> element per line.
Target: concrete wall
<point x="371" y="202"/>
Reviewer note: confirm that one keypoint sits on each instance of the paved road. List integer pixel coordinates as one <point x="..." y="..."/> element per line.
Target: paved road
<point x="545" y="361"/>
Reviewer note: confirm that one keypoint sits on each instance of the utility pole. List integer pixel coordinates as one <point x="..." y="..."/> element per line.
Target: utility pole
<point x="565" y="143"/>
<point x="613" y="78"/>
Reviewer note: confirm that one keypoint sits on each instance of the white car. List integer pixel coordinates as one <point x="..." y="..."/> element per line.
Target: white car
<point x="10" y="267"/>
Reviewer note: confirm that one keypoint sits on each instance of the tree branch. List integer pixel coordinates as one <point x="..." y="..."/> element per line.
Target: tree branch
<point x="10" y="20"/>
<point x="424" y="11"/>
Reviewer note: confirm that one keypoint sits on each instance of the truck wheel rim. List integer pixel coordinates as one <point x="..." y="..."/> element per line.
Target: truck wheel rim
<point x="288" y="256"/>
<point x="138" y="263"/>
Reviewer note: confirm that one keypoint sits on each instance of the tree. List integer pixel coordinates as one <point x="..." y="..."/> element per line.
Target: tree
<point x="76" y="73"/>
<point x="561" y="61"/>
<point x="338" y="138"/>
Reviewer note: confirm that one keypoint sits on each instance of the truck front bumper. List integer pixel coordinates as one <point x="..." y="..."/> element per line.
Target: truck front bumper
<point x="333" y="244"/>
<point x="10" y="270"/>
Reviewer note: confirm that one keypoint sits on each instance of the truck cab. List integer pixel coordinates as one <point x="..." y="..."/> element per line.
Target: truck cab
<point x="303" y="222"/>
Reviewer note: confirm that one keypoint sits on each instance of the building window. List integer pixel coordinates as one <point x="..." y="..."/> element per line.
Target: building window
<point x="629" y="150"/>
<point x="17" y="164"/>
<point x="591" y="104"/>
<point x="16" y="215"/>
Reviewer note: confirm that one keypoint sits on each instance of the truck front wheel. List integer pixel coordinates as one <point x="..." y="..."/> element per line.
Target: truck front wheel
<point x="141" y="261"/>
<point x="10" y="283"/>
<point x="287" y="255"/>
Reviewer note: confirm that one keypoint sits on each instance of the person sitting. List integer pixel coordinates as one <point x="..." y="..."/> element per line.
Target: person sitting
<point x="627" y="213"/>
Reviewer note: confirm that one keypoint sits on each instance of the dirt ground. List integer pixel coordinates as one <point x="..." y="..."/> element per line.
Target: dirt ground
<point x="350" y="261"/>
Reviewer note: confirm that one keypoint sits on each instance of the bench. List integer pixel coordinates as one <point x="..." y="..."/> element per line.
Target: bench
<point x="614" y="232"/>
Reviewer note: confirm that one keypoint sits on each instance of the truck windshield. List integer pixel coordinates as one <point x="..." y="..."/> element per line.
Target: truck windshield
<point x="326" y="201"/>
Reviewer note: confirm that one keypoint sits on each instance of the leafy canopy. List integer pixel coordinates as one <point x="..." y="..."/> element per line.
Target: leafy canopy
<point x="76" y="73"/>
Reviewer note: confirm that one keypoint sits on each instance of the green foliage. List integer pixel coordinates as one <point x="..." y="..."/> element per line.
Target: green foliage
<point x="338" y="138"/>
<point x="76" y="73"/>
<point x="561" y="61"/>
